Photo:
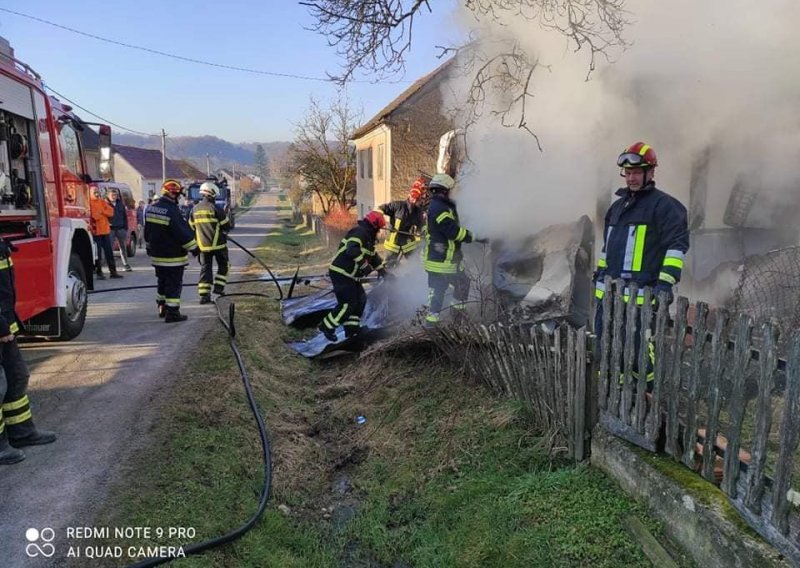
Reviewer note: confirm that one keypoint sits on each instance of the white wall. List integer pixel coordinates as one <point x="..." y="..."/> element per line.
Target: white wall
<point x="372" y="191"/>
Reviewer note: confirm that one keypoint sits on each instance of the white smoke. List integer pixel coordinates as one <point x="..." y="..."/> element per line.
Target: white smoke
<point x="696" y="75"/>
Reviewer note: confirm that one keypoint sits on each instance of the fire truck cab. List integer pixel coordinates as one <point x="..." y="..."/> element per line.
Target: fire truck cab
<point x="44" y="201"/>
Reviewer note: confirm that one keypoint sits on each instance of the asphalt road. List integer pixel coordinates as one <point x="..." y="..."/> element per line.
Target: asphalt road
<point x="97" y="393"/>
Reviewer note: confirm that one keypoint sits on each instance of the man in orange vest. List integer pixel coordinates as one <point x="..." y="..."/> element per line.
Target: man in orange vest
<point x="102" y="212"/>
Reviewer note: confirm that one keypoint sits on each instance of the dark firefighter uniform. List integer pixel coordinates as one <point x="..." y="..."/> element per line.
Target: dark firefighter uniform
<point x="355" y="258"/>
<point x="646" y="239"/>
<point x="211" y="225"/>
<point x="405" y="220"/>
<point x="16" y="419"/>
<point x="443" y="259"/>
<point x="169" y="239"/>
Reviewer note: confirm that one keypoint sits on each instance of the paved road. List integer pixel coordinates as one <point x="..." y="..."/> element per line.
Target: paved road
<point x="96" y="393"/>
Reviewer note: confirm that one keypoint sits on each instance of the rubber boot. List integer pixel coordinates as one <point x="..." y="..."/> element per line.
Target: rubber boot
<point x="205" y="299"/>
<point x="33" y="437"/>
<point x="175" y="315"/>
<point x="162" y="309"/>
<point x="9" y="454"/>
<point x="330" y="334"/>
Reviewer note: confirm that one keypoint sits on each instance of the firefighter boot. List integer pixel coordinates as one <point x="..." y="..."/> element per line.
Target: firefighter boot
<point x="330" y="334"/>
<point x="27" y="434"/>
<point x="205" y="299"/>
<point x="9" y="454"/>
<point x="162" y="309"/>
<point x="175" y="315"/>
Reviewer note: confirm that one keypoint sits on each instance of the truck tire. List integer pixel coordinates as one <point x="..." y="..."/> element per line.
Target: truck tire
<point x="73" y="315"/>
<point x="130" y="248"/>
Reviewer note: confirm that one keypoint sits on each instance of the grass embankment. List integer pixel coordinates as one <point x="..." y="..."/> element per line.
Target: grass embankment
<point x="439" y="475"/>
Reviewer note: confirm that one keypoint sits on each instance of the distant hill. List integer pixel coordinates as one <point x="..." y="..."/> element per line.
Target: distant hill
<point x="194" y="148"/>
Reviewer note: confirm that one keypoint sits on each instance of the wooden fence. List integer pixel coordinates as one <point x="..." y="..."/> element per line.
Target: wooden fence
<point x="707" y="366"/>
<point x="544" y="369"/>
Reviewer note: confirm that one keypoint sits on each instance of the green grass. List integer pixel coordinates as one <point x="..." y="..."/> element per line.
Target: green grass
<point x="441" y="474"/>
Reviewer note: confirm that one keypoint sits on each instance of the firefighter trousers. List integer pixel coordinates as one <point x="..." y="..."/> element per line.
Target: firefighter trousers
<point x="207" y="272"/>
<point x="438" y="283"/>
<point x="170" y="285"/>
<point x="16" y="419"/>
<point x="350" y="303"/>
<point x="637" y="342"/>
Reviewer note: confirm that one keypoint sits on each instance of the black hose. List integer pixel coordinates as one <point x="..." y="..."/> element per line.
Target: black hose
<point x="259" y="261"/>
<point x="266" y="452"/>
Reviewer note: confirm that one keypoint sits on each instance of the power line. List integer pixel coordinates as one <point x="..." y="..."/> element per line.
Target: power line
<point x="105" y="120"/>
<point x="171" y="55"/>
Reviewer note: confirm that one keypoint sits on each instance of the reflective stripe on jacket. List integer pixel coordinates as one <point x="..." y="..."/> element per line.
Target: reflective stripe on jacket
<point x="210" y="226"/>
<point x="356" y="254"/>
<point x="646" y="238"/>
<point x="167" y="234"/>
<point x="444" y="237"/>
<point x="405" y="218"/>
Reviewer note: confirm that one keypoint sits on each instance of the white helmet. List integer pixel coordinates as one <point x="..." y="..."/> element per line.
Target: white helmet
<point x="209" y="188"/>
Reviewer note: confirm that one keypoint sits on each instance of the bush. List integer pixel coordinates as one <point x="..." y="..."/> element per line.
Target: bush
<point x="340" y="218"/>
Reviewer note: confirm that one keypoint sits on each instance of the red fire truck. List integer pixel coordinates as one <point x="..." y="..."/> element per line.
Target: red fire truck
<point x="44" y="201"/>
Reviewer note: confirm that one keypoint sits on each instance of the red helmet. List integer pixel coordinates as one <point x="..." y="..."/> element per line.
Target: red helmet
<point x="638" y="155"/>
<point x="414" y="194"/>
<point x="376" y="219"/>
<point x="172" y="187"/>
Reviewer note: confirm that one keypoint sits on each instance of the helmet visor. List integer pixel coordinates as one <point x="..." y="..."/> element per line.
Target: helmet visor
<point x="631" y="159"/>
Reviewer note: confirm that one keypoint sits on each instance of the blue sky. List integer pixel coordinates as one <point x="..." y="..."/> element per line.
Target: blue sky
<point x="147" y="92"/>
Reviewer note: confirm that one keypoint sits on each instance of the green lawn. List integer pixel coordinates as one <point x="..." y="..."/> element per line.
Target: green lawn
<point x="441" y="473"/>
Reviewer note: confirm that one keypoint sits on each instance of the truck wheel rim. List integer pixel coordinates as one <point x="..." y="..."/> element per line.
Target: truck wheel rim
<point x="76" y="297"/>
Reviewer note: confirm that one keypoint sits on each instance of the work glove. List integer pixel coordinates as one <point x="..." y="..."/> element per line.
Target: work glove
<point x="664" y="287"/>
<point x="482" y="240"/>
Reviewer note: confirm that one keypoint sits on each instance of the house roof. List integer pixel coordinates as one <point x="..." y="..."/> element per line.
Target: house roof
<point x="190" y="170"/>
<point x="148" y="162"/>
<point x="415" y="87"/>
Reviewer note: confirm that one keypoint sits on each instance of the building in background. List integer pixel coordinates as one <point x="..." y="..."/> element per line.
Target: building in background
<point x="140" y="168"/>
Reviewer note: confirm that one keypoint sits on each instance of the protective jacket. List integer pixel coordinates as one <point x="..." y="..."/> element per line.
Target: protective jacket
<point x="406" y="218"/>
<point x="646" y="239"/>
<point x="356" y="256"/>
<point x="444" y="237"/>
<point x="167" y="234"/>
<point x="210" y="224"/>
<point x="8" y="295"/>
<point x="101" y="212"/>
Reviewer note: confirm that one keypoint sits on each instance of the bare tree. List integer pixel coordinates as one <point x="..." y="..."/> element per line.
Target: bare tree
<point x="375" y="36"/>
<point x="322" y="155"/>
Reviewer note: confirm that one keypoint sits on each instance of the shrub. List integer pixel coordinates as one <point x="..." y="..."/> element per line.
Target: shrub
<point x="340" y="218"/>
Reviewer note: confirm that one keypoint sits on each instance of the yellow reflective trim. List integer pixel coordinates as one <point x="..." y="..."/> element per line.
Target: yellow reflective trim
<point x="667" y="277"/>
<point x="11" y="420"/>
<point x="643" y="150"/>
<point x="5" y="264"/>
<point x="638" y="247"/>
<point x="462" y="234"/>
<point x="445" y="215"/>
<point x="343" y="271"/>
<point x="157" y="221"/>
<point x="675" y="262"/>
<point x="13" y="328"/>
<point x="190" y="245"/>
<point x="599" y="294"/>
<point x="15" y="404"/>
<point x="601" y="263"/>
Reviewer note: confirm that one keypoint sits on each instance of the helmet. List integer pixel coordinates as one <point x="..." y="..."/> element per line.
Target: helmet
<point x="638" y="155"/>
<point x="414" y="194"/>
<point x="209" y="188"/>
<point x="441" y="183"/>
<point x="172" y="187"/>
<point x="376" y="219"/>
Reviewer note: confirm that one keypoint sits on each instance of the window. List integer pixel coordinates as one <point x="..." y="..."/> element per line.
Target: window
<point x="369" y="162"/>
<point x="72" y="150"/>
<point x="151" y="190"/>
<point x="380" y="162"/>
<point x="361" y="164"/>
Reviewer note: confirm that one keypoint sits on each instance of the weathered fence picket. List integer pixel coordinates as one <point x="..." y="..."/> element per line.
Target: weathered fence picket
<point x="714" y="395"/>
<point x="736" y="402"/>
<point x="692" y="385"/>
<point x="790" y="428"/>
<point x="673" y="384"/>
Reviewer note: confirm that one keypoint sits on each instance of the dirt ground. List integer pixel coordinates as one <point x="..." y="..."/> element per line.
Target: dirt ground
<point x="101" y="394"/>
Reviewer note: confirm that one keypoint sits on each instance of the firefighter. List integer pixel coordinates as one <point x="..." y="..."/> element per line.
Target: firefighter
<point x="646" y="236"/>
<point x="211" y="225"/>
<point x="355" y="258"/>
<point x="169" y="239"/>
<point x="16" y="423"/>
<point x="443" y="260"/>
<point x="405" y="221"/>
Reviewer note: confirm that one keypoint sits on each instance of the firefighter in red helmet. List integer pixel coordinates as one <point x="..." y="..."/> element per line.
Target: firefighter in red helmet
<point x="405" y="222"/>
<point x="169" y="240"/>
<point x="355" y="258"/>
<point x="645" y="238"/>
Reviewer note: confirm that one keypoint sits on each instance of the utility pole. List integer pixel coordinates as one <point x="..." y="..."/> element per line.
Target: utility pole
<point x="208" y="165"/>
<point x="233" y="191"/>
<point x="163" y="156"/>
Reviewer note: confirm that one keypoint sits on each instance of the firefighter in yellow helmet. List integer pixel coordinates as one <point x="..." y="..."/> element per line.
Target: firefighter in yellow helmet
<point x="211" y="225"/>
<point x="169" y="240"/>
